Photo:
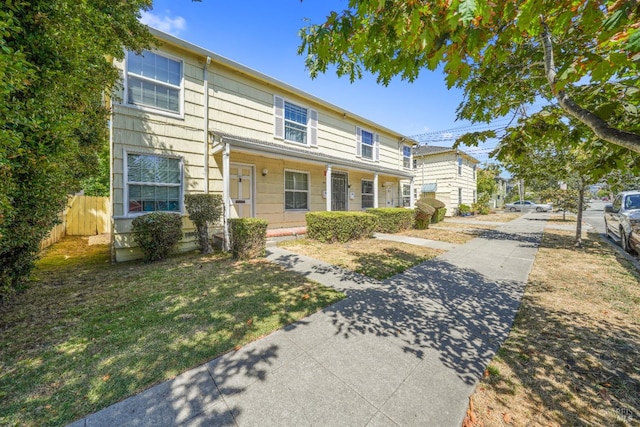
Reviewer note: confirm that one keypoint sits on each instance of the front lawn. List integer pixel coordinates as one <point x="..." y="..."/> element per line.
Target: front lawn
<point x="89" y="333"/>
<point x="379" y="259"/>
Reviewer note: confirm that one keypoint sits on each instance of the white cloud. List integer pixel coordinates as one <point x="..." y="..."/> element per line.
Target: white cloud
<point x="166" y="23"/>
<point x="447" y="135"/>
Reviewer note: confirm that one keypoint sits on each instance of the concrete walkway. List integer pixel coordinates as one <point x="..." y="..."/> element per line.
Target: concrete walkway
<point x="406" y="351"/>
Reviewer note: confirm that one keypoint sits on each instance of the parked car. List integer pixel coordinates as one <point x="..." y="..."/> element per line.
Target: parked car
<point x="622" y="220"/>
<point x="528" y="205"/>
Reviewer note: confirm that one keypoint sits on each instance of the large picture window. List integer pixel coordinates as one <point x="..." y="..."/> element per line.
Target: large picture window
<point x="367" y="194"/>
<point x="154" y="183"/>
<point x="296" y="190"/>
<point x="154" y="81"/>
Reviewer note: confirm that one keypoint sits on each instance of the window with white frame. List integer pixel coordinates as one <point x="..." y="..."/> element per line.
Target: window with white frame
<point x="459" y="195"/>
<point x="295" y="123"/>
<point x="459" y="165"/>
<point x="296" y="190"/>
<point x="154" y="80"/>
<point x="406" y="157"/>
<point x="367" y="194"/>
<point x="154" y="183"/>
<point x="474" y="171"/>
<point x="367" y="144"/>
<point x="406" y="195"/>
<point x="415" y="163"/>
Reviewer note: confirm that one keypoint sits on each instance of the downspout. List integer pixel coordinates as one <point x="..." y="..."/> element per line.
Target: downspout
<point x="225" y="193"/>
<point x="111" y="191"/>
<point x="205" y="128"/>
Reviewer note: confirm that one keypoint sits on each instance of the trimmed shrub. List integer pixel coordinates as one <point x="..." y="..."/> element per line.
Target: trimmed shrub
<point x="424" y="213"/>
<point x="157" y="233"/>
<point x="248" y="237"/>
<point x="439" y="207"/>
<point x="392" y="220"/>
<point x="204" y="209"/>
<point x="464" y="209"/>
<point x="340" y="227"/>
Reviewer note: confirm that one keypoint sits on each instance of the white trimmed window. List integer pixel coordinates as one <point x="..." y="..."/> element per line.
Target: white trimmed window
<point x="154" y="81"/>
<point x="406" y="195"/>
<point x="367" y="194"/>
<point x="296" y="190"/>
<point x="367" y="144"/>
<point x="406" y="157"/>
<point x="459" y="165"/>
<point x="154" y="183"/>
<point x="295" y="123"/>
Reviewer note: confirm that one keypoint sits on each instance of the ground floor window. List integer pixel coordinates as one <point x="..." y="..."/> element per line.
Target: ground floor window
<point x="296" y="190"/>
<point x="367" y="194"/>
<point x="406" y="195"/>
<point x="154" y="183"/>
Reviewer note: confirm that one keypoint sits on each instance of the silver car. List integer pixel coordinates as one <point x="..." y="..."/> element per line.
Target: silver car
<point x="528" y="205"/>
<point x="622" y="220"/>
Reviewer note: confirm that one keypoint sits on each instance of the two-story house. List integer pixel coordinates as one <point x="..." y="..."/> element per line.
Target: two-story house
<point x="189" y="121"/>
<point x="448" y="174"/>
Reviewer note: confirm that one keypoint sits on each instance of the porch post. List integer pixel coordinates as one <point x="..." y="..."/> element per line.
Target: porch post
<point x="328" y="188"/>
<point x="375" y="190"/>
<point x="226" y="153"/>
<point x="412" y="199"/>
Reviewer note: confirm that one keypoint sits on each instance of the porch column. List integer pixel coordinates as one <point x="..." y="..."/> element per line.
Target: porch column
<point x="412" y="199"/>
<point x="375" y="190"/>
<point x="226" y="153"/>
<point x="328" y="188"/>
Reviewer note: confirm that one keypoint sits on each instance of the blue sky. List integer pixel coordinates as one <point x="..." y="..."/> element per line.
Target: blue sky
<point x="263" y="35"/>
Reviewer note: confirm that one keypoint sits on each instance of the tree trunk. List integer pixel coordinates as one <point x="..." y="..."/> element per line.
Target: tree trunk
<point x="579" y="218"/>
<point x="203" y="238"/>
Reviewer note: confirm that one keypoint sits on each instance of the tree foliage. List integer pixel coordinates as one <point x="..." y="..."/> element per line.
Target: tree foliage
<point x="583" y="55"/>
<point x="55" y="67"/>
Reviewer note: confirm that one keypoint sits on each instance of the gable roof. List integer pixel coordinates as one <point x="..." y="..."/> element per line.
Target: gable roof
<point x="430" y="150"/>
<point x="242" y="69"/>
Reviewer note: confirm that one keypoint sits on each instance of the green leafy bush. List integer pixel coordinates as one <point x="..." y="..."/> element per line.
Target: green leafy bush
<point x="424" y="213"/>
<point x="439" y="207"/>
<point x="340" y="226"/>
<point x="204" y="209"/>
<point x="248" y="237"/>
<point x="482" y="205"/>
<point x="392" y="220"/>
<point x="156" y="234"/>
<point x="463" y="209"/>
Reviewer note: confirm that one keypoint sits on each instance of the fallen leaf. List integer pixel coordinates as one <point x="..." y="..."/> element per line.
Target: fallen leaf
<point x="486" y="373"/>
<point x="506" y="418"/>
<point x="106" y="377"/>
<point x="250" y="321"/>
<point x="305" y="296"/>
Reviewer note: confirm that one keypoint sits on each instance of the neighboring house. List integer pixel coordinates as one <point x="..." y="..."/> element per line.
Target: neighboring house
<point x="448" y="174"/>
<point x="190" y="121"/>
<point x="498" y="199"/>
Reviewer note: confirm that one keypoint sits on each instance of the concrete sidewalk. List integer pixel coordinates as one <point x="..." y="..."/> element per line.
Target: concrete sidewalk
<point x="406" y="351"/>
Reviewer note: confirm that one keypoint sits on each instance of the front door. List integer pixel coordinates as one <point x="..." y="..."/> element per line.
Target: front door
<point x="241" y="190"/>
<point x="339" y="191"/>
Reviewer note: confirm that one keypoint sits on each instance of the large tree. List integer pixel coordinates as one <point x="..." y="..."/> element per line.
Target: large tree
<point x="505" y="54"/>
<point x="55" y="64"/>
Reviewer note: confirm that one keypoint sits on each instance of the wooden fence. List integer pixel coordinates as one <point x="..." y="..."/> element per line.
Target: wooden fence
<point x="84" y="216"/>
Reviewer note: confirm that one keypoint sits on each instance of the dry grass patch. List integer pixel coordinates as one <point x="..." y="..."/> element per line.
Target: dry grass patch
<point x="379" y="259"/>
<point x="90" y="333"/>
<point x="463" y="235"/>
<point x="498" y="216"/>
<point x="572" y="357"/>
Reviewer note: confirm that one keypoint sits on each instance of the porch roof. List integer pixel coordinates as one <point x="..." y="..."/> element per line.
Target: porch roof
<point x="280" y="151"/>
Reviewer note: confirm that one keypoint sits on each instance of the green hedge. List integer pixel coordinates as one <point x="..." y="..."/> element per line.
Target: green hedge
<point x="248" y="237"/>
<point x="423" y="214"/>
<point x="204" y="209"/>
<point x="463" y="209"/>
<point x="340" y="226"/>
<point x="156" y="234"/>
<point x="393" y="220"/>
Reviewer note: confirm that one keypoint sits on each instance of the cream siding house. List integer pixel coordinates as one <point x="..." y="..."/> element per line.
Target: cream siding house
<point x="445" y="173"/>
<point x="190" y="121"/>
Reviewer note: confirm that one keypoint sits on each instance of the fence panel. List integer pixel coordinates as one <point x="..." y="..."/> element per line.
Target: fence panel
<point x="88" y="216"/>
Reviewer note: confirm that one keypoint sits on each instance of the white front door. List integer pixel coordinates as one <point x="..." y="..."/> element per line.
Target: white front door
<point x="241" y="190"/>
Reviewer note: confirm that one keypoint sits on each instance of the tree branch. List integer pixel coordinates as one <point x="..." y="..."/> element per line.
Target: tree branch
<point x="600" y="127"/>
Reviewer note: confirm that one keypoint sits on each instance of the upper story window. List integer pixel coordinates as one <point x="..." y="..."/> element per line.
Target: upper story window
<point x="155" y="81"/>
<point x="295" y="123"/>
<point x="406" y="157"/>
<point x="154" y="183"/>
<point x="474" y="171"/>
<point x="367" y="144"/>
<point x="459" y="165"/>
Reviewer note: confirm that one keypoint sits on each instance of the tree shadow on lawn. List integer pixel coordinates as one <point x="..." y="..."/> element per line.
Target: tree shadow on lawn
<point x="558" y="355"/>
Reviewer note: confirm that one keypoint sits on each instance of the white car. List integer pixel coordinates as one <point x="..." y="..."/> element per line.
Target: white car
<point x="528" y="205"/>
